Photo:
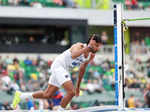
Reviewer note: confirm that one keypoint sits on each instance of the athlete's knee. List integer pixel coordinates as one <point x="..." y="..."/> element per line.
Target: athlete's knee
<point x="71" y="93"/>
<point x="47" y="95"/>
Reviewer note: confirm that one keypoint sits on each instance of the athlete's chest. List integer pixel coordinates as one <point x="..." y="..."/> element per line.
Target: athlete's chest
<point x="77" y="61"/>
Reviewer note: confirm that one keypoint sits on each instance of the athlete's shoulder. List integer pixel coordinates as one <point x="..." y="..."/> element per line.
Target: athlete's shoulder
<point x="77" y="46"/>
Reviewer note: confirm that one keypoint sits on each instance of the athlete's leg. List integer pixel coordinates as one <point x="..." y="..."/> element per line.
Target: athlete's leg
<point x="48" y="93"/>
<point x="70" y="92"/>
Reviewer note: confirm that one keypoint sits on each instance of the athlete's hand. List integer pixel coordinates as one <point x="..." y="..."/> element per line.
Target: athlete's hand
<point x="91" y="44"/>
<point x="92" y="55"/>
<point x="91" y="41"/>
<point x="77" y="91"/>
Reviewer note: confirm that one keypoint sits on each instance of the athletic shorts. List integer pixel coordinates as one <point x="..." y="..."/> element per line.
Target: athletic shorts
<point x="59" y="76"/>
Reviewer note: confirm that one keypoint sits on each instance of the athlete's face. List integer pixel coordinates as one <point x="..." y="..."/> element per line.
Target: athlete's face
<point x="95" y="46"/>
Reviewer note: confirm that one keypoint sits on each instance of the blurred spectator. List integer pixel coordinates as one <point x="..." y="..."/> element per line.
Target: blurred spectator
<point x="27" y="61"/>
<point x="69" y="3"/>
<point x="1" y="106"/>
<point x="4" y="2"/>
<point x="35" y="4"/>
<point x="24" y="3"/>
<point x="96" y="103"/>
<point x="8" y="60"/>
<point x="138" y="36"/>
<point x="14" y="86"/>
<point x="104" y="38"/>
<point x="104" y="4"/>
<point x="93" y="86"/>
<point x="74" y="106"/>
<point x="6" y="106"/>
<point x="31" y="38"/>
<point x="134" y="4"/>
<point x="13" y="2"/>
<point x="147" y="40"/>
<point x="45" y="39"/>
<point x="3" y="86"/>
<point x="139" y="104"/>
<point x="147" y="95"/>
<point x="30" y="104"/>
<point x="33" y="85"/>
<point x="6" y="80"/>
<point x="64" y="42"/>
<point x="143" y="47"/>
<point x="23" y="86"/>
<point x="131" y="103"/>
<point x="128" y="4"/>
<point x="1" y="60"/>
<point x="89" y="87"/>
<point x="59" y="2"/>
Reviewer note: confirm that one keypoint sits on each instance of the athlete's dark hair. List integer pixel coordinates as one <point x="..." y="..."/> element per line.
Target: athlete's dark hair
<point x="96" y="38"/>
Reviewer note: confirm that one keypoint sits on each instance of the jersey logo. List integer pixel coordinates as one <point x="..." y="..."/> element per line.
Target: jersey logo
<point x="74" y="63"/>
<point x="77" y="62"/>
<point x="66" y="76"/>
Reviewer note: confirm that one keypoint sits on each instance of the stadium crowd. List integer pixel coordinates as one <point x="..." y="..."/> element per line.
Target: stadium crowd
<point x="96" y="4"/>
<point x="32" y="74"/>
<point x="49" y="3"/>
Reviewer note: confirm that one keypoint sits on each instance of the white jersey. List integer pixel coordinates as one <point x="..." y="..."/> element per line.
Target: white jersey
<point x="65" y="60"/>
<point x="60" y="69"/>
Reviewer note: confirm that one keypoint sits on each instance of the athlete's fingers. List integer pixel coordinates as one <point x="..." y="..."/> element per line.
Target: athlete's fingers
<point x="92" y="55"/>
<point x="93" y="37"/>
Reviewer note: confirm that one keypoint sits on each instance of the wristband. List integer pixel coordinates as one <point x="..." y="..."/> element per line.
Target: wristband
<point x="91" y="49"/>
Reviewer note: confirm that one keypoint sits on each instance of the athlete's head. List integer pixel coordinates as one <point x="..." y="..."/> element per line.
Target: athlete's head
<point x="95" y="42"/>
<point x="95" y="37"/>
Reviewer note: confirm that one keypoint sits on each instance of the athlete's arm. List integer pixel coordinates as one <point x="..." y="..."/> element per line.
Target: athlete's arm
<point x="78" y="49"/>
<point x="80" y="76"/>
<point x="81" y="73"/>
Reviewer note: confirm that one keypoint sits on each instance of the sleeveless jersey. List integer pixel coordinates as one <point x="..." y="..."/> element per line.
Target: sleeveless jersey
<point x="65" y="60"/>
